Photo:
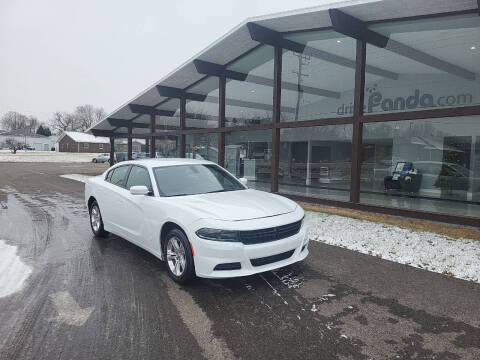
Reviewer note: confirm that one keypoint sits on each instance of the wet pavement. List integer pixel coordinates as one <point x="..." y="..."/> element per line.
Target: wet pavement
<point x="90" y="298"/>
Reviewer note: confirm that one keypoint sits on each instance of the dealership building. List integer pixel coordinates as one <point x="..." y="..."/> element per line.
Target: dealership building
<point x="371" y="105"/>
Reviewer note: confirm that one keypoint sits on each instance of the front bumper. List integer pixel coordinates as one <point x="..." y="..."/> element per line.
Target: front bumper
<point x="209" y="254"/>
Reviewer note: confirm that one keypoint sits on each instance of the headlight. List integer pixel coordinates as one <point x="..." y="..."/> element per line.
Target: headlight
<point x="218" y="235"/>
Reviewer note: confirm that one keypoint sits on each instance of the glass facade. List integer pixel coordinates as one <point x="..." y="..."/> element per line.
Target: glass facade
<point x="202" y="112"/>
<point x="249" y="96"/>
<point x="248" y="154"/>
<point x="416" y="144"/>
<point x="430" y="63"/>
<point x="319" y="82"/>
<point x="428" y="164"/>
<point x="202" y="146"/>
<point x="316" y="161"/>
<point x="166" y="146"/>
<point x="167" y="123"/>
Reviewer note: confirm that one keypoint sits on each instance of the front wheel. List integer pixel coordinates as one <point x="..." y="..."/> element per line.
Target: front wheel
<point x="94" y="160"/>
<point x="179" y="258"/>
<point x="96" y="221"/>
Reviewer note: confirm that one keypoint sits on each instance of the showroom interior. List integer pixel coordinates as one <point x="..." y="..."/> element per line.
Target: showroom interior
<point x="365" y="111"/>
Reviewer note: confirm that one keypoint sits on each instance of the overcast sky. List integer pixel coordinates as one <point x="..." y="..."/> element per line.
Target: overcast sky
<point x="56" y="54"/>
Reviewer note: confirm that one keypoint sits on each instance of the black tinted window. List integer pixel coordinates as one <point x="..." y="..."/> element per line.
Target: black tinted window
<point x="139" y="176"/>
<point x="118" y="176"/>
<point x="194" y="179"/>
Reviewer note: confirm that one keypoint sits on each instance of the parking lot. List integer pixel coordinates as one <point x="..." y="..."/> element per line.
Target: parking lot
<point x="91" y="298"/>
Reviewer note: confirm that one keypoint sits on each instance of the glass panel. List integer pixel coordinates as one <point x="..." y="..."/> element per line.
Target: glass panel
<point x="202" y="146"/>
<point x="166" y="123"/>
<point x="118" y="176"/>
<point x="166" y="147"/>
<point x="248" y="154"/>
<point x="430" y="165"/>
<point x="432" y="63"/>
<point x="318" y="83"/>
<point x="316" y="161"/>
<point x="139" y="176"/>
<point x="204" y="113"/>
<point x="250" y="101"/>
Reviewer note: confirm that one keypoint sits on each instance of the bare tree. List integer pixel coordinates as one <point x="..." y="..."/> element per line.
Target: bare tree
<point x="13" y="145"/>
<point x="13" y="120"/>
<point x="62" y="121"/>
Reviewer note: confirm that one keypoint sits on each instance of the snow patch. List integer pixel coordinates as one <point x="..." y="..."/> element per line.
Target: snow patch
<point x="13" y="272"/>
<point x="77" y="177"/>
<point x="439" y="253"/>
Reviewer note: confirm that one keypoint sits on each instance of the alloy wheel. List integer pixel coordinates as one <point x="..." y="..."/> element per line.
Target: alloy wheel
<point x="176" y="256"/>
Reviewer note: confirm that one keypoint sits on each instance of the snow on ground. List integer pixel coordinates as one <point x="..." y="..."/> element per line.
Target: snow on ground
<point x="457" y="257"/>
<point x="13" y="272"/>
<point x="77" y="177"/>
<point x="439" y="253"/>
<point x="45" y="156"/>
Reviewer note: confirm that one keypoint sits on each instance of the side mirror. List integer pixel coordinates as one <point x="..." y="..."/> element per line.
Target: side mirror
<point x="243" y="181"/>
<point x="139" y="190"/>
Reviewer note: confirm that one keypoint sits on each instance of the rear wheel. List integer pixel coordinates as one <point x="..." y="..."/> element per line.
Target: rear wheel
<point x="179" y="258"/>
<point x="94" y="160"/>
<point x="96" y="222"/>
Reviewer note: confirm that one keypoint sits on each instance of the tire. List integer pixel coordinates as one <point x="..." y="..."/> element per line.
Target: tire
<point x="96" y="221"/>
<point x="94" y="160"/>
<point x="177" y="246"/>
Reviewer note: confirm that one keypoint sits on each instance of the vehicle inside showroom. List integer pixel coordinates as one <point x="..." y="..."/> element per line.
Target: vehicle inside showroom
<point x="360" y="106"/>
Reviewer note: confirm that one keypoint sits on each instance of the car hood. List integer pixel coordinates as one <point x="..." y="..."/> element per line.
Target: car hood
<point x="236" y="205"/>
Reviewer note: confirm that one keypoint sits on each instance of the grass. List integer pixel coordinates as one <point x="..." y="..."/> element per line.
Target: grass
<point x="453" y="231"/>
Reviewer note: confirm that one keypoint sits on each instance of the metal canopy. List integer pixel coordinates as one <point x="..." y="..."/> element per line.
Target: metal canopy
<point x="241" y="39"/>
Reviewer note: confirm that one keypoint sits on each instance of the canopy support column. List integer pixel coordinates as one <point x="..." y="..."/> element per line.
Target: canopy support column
<point x="112" y="151"/>
<point x="152" y="139"/>
<point x="129" y="144"/>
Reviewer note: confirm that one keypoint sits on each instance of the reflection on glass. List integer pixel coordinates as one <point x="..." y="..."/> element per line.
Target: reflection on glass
<point x="431" y="63"/>
<point x="166" y="147"/>
<point x="203" y="111"/>
<point x="248" y="154"/>
<point x="431" y="165"/>
<point x="316" y="161"/>
<point x="166" y="123"/>
<point x="319" y="82"/>
<point x="202" y="147"/>
<point x="249" y="97"/>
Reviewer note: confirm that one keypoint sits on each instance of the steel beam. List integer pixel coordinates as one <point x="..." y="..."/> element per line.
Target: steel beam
<point x="112" y="151"/>
<point x="353" y="27"/>
<point x="277" y="98"/>
<point x="356" y="166"/>
<point x="149" y="110"/>
<point x="208" y="68"/>
<point x="183" y="113"/>
<point x="274" y="38"/>
<point x="152" y="139"/>
<point x="222" y="84"/>
<point x="129" y="144"/>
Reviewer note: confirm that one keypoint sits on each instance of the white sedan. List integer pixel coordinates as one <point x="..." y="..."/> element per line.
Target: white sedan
<point x="197" y="217"/>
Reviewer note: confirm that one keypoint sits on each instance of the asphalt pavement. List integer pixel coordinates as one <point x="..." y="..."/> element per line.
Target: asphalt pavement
<point x="91" y="298"/>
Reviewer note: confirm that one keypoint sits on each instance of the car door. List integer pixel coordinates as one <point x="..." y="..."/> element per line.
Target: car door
<point x="113" y="200"/>
<point x="139" y="207"/>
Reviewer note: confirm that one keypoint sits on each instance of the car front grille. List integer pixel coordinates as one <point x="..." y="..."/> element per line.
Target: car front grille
<point x="272" y="258"/>
<point x="252" y="237"/>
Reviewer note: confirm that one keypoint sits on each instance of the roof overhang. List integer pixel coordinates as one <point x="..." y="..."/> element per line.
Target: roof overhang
<point x="238" y="41"/>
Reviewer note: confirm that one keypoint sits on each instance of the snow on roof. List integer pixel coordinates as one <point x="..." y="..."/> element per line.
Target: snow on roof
<point x="86" y="138"/>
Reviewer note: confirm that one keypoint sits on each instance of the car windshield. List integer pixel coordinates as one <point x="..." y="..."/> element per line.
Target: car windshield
<point x="195" y="179"/>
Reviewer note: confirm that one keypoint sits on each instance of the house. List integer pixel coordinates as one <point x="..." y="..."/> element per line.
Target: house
<point x="29" y="140"/>
<point x="71" y="141"/>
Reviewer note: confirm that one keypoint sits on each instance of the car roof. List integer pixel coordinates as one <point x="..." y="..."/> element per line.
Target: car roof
<point x="165" y="162"/>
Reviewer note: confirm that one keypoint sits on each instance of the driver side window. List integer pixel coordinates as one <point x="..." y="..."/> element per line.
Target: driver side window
<point x="139" y="176"/>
